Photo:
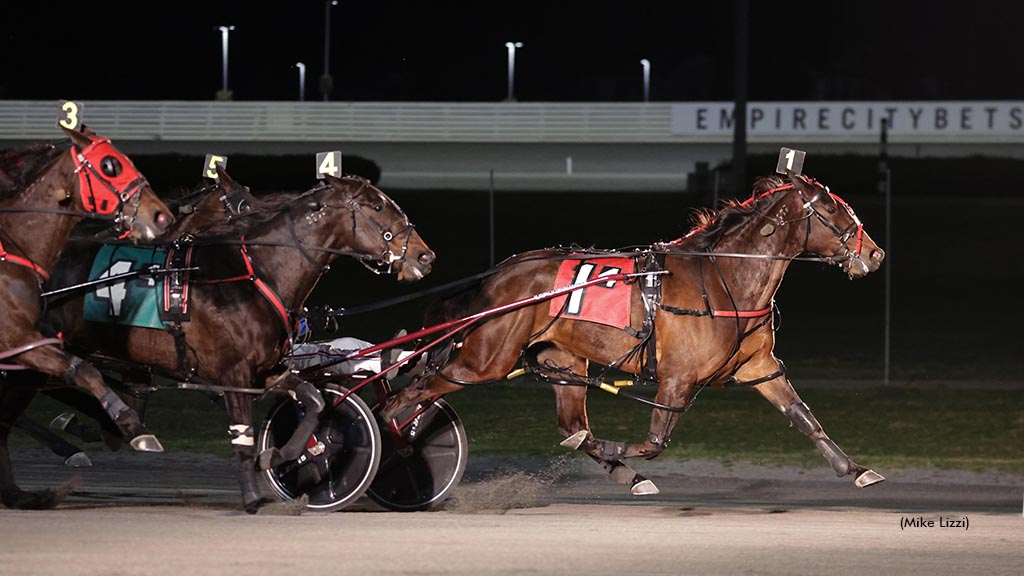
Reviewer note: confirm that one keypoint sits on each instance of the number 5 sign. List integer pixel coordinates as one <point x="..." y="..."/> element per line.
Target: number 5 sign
<point x="328" y="163"/>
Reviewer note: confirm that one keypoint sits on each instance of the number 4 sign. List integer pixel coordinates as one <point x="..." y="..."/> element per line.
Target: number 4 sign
<point x="328" y="163"/>
<point x="792" y="160"/>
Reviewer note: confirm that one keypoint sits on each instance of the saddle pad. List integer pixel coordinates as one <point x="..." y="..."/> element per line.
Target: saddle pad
<point x="134" y="301"/>
<point x="604" y="303"/>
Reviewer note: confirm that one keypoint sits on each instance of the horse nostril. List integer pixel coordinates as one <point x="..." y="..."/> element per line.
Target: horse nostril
<point x="877" y="254"/>
<point x="426" y="258"/>
<point x="161" y="219"/>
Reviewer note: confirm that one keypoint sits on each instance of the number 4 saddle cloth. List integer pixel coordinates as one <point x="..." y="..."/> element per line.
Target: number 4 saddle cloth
<point x="136" y="298"/>
<point x="605" y="302"/>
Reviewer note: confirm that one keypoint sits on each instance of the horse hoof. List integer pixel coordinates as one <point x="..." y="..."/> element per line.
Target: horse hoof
<point x="867" y="478"/>
<point x="146" y="443"/>
<point x="78" y="460"/>
<point x="644" y="488"/>
<point x="575" y="441"/>
<point x="62" y="421"/>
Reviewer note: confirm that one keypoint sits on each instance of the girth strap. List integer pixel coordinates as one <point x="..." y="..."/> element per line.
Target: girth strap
<point x="650" y="294"/>
<point x="732" y="382"/>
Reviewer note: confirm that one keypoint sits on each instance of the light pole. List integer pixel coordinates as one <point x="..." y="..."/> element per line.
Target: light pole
<point x="647" y="78"/>
<point x="224" y="93"/>
<point x="512" y="67"/>
<point x="327" y="81"/>
<point x="302" y="80"/>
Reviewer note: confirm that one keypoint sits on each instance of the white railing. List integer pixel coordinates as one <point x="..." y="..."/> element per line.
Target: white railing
<point x="962" y="122"/>
<point x="350" y="121"/>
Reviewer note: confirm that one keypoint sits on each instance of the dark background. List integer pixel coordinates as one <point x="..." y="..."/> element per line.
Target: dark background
<point x="952" y="254"/>
<point x="454" y="51"/>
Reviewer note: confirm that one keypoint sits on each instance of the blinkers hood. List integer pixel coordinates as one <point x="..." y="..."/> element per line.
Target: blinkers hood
<point x="107" y="178"/>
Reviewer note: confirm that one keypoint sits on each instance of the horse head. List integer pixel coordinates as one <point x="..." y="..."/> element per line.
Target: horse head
<point x="211" y="205"/>
<point x="109" y="184"/>
<point x="834" y="231"/>
<point x="379" y="228"/>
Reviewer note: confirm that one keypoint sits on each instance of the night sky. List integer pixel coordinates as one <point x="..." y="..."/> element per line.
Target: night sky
<point x="454" y="51"/>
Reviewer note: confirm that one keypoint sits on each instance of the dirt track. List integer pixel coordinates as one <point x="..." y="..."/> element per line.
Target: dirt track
<point x="178" y="513"/>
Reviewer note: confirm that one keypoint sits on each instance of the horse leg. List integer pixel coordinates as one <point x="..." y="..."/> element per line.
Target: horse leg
<point x="782" y="395"/>
<point x="13" y="401"/>
<point x="239" y="408"/>
<point x="73" y="455"/>
<point x="570" y="401"/>
<point x="573" y="423"/>
<point x="80" y="373"/>
<point x="69" y="422"/>
<point x="313" y="402"/>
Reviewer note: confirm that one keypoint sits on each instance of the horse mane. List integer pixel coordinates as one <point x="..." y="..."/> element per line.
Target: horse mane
<point x="265" y="207"/>
<point x="20" y="166"/>
<point x="707" y="225"/>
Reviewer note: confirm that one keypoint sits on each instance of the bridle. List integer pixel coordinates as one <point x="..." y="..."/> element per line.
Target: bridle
<point x="810" y="208"/>
<point x="103" y="191"/>
<point x="111" y="187"/>
<point x="383" y="264"/>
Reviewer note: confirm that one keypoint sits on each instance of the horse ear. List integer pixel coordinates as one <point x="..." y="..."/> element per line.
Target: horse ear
<point x="798" y="180"/>
<point x="333" y="181"/>
<point x="224" y="178"/>
<point x="80" y="139"/>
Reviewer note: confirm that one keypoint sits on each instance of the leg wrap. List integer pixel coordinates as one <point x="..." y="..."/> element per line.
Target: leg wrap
<point x="837" y="458"/>
<point x="659" y="441"/>
<point x="612" y="450"/>
<point x="310" y="397"/>
<point x="113" y="405"/>
<point x="72" y="371"/>
<point x="241" y="435"/>
<point x="802" y="418"/>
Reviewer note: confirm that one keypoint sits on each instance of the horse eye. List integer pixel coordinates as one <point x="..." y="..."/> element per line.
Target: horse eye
<point x="831" y="209"/>
<point x="110" y="166"/>
<point x="378" y="207"/>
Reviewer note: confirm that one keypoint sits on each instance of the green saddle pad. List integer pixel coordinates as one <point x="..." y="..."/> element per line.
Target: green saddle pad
<point x="133" y="301"/>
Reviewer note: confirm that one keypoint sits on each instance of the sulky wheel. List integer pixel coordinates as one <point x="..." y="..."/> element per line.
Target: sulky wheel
<point x="341" y="460"/>
<point x="422" y="473"/>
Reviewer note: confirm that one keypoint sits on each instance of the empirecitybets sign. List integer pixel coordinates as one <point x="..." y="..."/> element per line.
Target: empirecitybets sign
<point x="933" y="118"/>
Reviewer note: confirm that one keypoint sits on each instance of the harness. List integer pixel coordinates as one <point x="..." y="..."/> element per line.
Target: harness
<point x="176" y="286"/>
<point x="6" y="256"/>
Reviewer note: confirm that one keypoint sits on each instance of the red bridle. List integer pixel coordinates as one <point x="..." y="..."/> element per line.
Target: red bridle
<point x="107" y="178"/>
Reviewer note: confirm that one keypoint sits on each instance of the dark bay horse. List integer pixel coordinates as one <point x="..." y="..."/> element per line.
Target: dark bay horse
<point x="197" y="211"/>
<point x="701" y="316"/>
<point x="38" y="210"/>
<point x="254" y="274"/>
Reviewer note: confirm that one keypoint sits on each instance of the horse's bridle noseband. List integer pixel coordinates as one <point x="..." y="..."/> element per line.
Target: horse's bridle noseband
<point x="384" y="264"/>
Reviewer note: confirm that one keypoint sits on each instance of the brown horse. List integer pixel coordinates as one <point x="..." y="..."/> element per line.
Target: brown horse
<point x="91" y="179"/>
<point x="197" y="211"/>
<point x="701" y="315"/>
<point x="255" y="273"/>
